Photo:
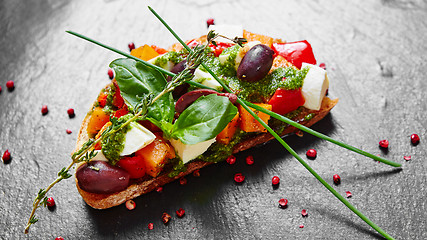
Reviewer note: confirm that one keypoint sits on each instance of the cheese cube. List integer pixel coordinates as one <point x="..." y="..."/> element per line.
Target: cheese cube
<point x="136" y="138"/>
<point x="189" y="152"/>
<point x="314" y="88"/>
<point x="206" y="79"/>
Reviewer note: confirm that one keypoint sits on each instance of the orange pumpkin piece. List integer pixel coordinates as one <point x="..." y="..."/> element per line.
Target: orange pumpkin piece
<point x="249" y="123"/>
<point x="227" y="133"/>
<point x="280" y="61"/>
<point x="145" y="52"/>
<point x="98" y="135"/>
<point x="155" y="155"/>
<point x="258" y="37"/>
<point x="97" y="120"/>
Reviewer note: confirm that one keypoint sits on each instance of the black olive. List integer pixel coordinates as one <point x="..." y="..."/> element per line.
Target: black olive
<point x="256" y="63"/>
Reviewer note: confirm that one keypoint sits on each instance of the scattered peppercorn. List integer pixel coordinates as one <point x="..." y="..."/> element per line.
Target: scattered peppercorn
<point x="150" y="226"/>
<point x="130" y="204"/>
<point x="250" y="160"/>
<point x="337" y="179"/>
<point x="6" y="156"/>
<point x="0" y="89"/>
<point x="71" y="113"/>
<point x="322" y="65"/>
<point x="384" y="143"/>
<point x="110" y="73"/>
<point x="196" y="173"/>
<point x="10" y="85"/>
<point x="180" y="212"/>
<point x="304" y="213"/>
<point x="59" y="238"/>
<point x="301" y="226"/>
<point x="407" y="158"/>
<point x="159" y="189"/>
<point x="231" y="160"/>
<point x="44" y="110"/>
<point x="50" y="202"/>
<point x="239" y="178"/>
<point x="183" y="181"/>
<point x="349" y="195"/>
<point x="68" y="131"/>
<point x="210" y="21"/>
<point x="311" y="153"/>
<point x="131" y="46"/>
<point x="415" y="139"/>
<point x="283" y="203"/>
<point x="166" y="218"/>
<point x="275" y="180"/>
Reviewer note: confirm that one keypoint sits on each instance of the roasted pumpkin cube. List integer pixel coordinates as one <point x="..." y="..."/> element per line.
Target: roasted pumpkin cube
<point x="228" y="132"/>
<point x="155" y="155"/>
<point x="145" y="52"/>
<point x="266" y="40"/>
<point x="249" y="123"/>
<point x="97" y="120"/>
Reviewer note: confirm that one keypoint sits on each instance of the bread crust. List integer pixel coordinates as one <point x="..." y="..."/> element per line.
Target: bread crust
<point x="148" y="184"/>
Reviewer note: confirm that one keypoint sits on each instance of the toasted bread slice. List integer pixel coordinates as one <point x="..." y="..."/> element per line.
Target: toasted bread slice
<point x="147" y="184"/>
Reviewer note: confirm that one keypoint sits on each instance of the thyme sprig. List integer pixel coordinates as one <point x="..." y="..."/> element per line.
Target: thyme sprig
<point x="87" y="152"/>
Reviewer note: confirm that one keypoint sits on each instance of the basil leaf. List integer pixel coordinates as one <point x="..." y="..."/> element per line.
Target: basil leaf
<point x="136" y="80"/>
<point x="203" y="119"/>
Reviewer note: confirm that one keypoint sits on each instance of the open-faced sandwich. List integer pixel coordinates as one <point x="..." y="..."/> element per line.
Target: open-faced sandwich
<point x="193" y="127"/>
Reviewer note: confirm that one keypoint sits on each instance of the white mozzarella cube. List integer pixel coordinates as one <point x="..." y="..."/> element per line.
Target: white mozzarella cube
<point x="190" y="152"/>
<point x="230" y="31"/>
<point x="99" y="156"/>
<point x="206" y="79"/>
<point x="167" y="66"/>
<point x="314" y="88"/>
<point x="136" y="138"/>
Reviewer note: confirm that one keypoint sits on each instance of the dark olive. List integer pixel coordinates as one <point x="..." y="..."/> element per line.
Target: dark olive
<point x="256" y="63"/>
<point x="183" y="88"/>
<point x="101" y="177"/>
<point x="185" y="100"/>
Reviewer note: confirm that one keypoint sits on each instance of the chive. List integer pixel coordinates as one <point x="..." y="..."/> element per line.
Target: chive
<point x="243" y="104"/>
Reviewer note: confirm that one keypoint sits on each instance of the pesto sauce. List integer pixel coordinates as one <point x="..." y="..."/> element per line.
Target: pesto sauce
<point x="229" y="66"/>
<point x="178" y="167"/>
<point x="218" y="152"/>
<point x="279" y="126"/>
<point x="171" y="56"/>
<point x="113" y="145"/>
<point x="286" y="78"/>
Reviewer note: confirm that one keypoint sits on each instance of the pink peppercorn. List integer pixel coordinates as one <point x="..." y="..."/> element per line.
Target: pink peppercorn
<point x="44" y="110"/>
<point x="71" y="113"/>
<point x="311" y="153"/>
<point x="6" y="156"/>
<point x="50" y="202"/>
<point x="275" y="180"/>
<point x="250" y="160"/>
<point x="110" y="73"/>
<point x="130" y="204"/>
<point x="210" y="21"/>
<point x="383" y="143"/>
<point x="239" y="178"/>
<point x="131" y="46"/>
<point x="415" y="139"/>
<point x="10" y="85"/>
<point x="231" y="160"/>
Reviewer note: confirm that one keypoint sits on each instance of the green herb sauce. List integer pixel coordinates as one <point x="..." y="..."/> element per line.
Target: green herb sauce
<point x="178" y="167"/>
<point x="172" y="56"/>
<point x="113" y="145"/>
<point x="286" y="78"/>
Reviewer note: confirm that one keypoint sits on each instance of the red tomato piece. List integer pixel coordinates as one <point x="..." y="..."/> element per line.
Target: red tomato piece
<point x="220" y="47"/>
<point x="118" y="99"/>
<point x="295" y="52"/>
<point x="285" y="101"/>
<point x="193" y="43"/>
<point x="135" y="166"/>
<point x="102" y="99"/>
<point x="159" y="50"/>
<point x="121" y="112"/>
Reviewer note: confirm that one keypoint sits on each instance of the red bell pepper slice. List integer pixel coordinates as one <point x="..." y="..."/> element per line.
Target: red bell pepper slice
<point x="220" y="46"/>
<point x="295" y="52"/>
<point x="286" y="101"/>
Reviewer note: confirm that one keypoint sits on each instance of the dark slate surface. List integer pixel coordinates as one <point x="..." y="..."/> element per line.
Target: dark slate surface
<point x="375" y="53"/>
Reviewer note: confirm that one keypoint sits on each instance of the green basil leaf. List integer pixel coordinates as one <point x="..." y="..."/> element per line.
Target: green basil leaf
<point x="136" y="80"/>
<point x="203" y="119"/>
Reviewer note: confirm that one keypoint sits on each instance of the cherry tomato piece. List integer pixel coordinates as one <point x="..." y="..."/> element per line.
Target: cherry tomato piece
<point x="135" y="166"/>
<point x="285" y="101"/>
<point x="295" y="52"/>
